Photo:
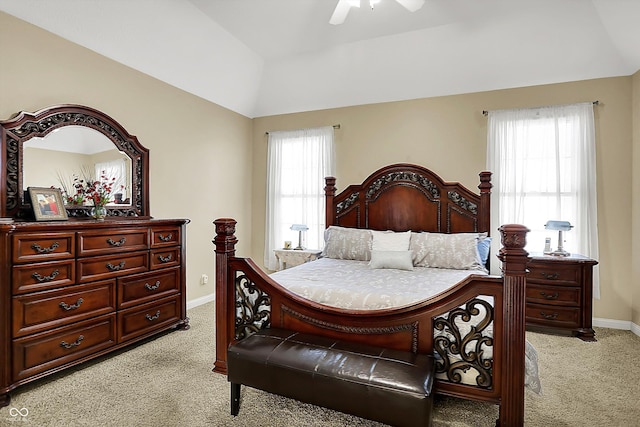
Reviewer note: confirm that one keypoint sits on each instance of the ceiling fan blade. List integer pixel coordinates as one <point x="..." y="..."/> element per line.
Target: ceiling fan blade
<point x="411" y="5"/>
<point x="340" y="12"/>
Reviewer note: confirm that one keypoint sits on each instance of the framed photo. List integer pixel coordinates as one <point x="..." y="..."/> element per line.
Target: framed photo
<point x="47" y="204"/>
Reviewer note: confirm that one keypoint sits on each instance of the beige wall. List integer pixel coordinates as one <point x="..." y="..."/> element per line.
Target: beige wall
<point x="448" y="135"/>
<point x="199" y="152"/>
<point x="635" y="254"/>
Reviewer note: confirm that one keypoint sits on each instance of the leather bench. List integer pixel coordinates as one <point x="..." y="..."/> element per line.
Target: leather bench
<point x="389" y="386"/>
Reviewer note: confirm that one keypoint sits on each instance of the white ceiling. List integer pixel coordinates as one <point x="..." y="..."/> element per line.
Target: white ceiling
<point x="266" y="57"/>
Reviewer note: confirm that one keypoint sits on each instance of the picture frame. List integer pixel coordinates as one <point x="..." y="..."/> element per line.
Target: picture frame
<point x="47" y="204"/>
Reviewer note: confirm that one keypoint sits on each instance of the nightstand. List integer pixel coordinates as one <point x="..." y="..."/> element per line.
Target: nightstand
<point x="559" y="292"/>
<point x="292" y="257"/>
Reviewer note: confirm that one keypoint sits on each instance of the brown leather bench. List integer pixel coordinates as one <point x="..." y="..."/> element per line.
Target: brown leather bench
<point x="390" y="386"/>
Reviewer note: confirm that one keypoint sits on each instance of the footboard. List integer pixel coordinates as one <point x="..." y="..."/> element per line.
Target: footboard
<point x="475" y="329"/>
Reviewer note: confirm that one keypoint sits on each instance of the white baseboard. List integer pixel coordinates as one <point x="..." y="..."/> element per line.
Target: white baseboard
<point x="617" y="324"/>
<point x="199" y="301"/>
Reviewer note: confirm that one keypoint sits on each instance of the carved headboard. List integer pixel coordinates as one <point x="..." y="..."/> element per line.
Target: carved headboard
<point x="404" y="197"/>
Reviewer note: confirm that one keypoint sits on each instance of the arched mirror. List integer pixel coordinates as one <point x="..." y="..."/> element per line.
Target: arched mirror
<point x="62" y="145"/>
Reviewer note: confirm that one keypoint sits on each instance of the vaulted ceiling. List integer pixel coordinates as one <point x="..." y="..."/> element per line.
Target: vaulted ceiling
<point x="266" y="57"/>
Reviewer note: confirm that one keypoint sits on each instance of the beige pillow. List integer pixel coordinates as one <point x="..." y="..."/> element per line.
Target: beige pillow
<point x="347" y="243"/>
<point x="399" y="260"/>
<point x="390" y="241"/>
<point x="457" y="251"/>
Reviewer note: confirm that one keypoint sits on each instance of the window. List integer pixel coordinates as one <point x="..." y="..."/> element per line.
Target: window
<point x="297" y="163"/>
<point x="543" y="164"/>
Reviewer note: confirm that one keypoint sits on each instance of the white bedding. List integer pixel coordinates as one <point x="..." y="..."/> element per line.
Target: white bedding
<point x="354" y="285"/>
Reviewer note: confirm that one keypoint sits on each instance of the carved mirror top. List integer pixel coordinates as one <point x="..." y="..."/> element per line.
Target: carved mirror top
<point x="25" y="126"/>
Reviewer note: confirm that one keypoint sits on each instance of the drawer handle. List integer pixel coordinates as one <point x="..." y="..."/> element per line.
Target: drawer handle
<point x="118" y="267"/>
<point x="42" y="250"/>
<point x="154" y="317"/>
<point x="166" y="238"/>
<point x="68" y="307"/>
<point x="154" y="287"/>
<point x="547" y="296"/>
<point x="73" y="344"/>
<point x="40" y="278"/>
<point x="550" y="276"/>
<point x="118" y="243"/>
<point x="549" y="316"/>
<point x="165" y="259"/>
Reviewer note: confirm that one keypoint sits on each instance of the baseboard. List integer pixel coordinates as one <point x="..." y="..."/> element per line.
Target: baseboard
<point x="617" y="324"/>
<point x="199" y="301"/>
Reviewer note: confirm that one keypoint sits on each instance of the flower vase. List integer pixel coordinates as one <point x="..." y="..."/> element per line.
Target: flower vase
<point x="99" y="213"/>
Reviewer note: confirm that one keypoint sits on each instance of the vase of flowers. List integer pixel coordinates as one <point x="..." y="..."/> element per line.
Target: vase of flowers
<point x="99" y="192"/>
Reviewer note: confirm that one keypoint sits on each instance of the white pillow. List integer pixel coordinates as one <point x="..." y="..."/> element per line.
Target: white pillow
<point x="440" y="250"/>
<point x="390" y="241"/>
<point x="347" y="243"/>
<point x="399" y="260"/>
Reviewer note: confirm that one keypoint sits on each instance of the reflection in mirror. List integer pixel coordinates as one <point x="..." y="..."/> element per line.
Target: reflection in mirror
<point x="76" y="152"/>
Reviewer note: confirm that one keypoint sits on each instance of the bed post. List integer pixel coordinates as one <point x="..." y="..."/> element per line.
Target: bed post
<point x="514" y="268"/>
<point x="484" y="220"/>
<point x="225" y="242"/>
<point x="329" y="193"/>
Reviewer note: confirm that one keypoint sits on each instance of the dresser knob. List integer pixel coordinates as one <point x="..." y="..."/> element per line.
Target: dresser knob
<point x="154" y="317"/>
<point x="550" y="276"/>
<point x="165" y="259"/>
<point x="68" y="307"/>
<point x="39" y="249"/>
<point x="547" y="296"/>
<point x="73" y="344"/>
<point x="166" y="238"/>
<point x="40" y="278"/>
<point x="118" y="243"/>
<point x="152" y="287"/>
<point x="118" y="267"/>
<point x="549" y="316"/>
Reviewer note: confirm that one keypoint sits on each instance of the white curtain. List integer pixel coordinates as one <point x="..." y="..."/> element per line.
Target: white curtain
<point x="544" y="168"/>
<point x="297" y="163"/>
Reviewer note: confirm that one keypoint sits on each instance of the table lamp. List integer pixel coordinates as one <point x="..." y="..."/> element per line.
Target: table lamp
<point x="299" y="228"/>
<point x="560" y="226"/>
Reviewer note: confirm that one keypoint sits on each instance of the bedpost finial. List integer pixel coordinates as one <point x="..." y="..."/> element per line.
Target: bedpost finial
<point x="225" y="239"/>
<point x="330" y="186"/>
<point x="485" y="182"/>
<point x="514" y="239"/>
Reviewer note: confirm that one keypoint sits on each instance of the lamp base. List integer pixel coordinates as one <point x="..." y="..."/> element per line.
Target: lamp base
<point x="559" y="252"/>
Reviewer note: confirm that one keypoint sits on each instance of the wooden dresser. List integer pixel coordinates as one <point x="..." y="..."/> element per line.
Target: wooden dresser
<point x="559" y="295"/>
<point x="75" y="290"/>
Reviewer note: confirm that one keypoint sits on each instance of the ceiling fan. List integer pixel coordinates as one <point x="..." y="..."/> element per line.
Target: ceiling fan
<point x="343" y="7"/>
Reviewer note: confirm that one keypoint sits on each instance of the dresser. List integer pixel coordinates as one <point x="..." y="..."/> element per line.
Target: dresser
<point x="559" y="295"/>
<point x="75" y="290"/>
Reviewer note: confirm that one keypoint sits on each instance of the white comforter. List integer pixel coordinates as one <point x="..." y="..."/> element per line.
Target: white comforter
<point x="354" y="285"/>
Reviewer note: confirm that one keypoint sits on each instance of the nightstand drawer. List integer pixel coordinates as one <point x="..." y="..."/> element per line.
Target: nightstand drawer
<point x="553" y="316"/>
<point x="553" y="295"/>
<point x="553" y="273"/>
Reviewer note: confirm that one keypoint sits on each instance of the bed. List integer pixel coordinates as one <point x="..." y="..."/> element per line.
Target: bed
<point x="475" y="327"/>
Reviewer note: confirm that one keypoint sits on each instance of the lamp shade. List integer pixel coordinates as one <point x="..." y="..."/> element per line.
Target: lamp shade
<point x="299" y="227"/>
<point x="558" y="225"/>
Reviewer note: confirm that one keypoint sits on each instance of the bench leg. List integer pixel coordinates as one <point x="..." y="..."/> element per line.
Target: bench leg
<point x="235" y="399"/>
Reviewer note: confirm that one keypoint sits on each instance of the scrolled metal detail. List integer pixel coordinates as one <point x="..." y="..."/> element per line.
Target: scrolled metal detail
<point x="253" y="307"/>
<point x="73" y="344"/>
<point x="116" y="243"/>
<point x="68" y="307"/>
<point x="402" y="176"/>
<point x="460" y="352"/>
<point x="39" y="249"/>
<point x="462" y="202"/>
<point x="165" y="259"/>
<point x="348" y="202"/>
<point x="40" y="278"/>
<point x="151" y="318"/>
<point x="166" y="238"/>
<point x="117" y="267"/>
<point x="152" y="287"/>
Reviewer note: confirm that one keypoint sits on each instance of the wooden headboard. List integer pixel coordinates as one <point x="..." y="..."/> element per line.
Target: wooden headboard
<point x="403" y="197"/>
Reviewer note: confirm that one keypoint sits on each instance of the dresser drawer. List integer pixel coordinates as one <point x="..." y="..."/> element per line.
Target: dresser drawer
<point x="110" y="241"/>
<point x="35" y="247"/>
<point x="553" y="273"/>
<point x="554" y="295"/>
<point x="45" y="310"/>
<point x="41" y="352"/>
<point x="162" y="258"/>
<point x="165" y="236"/>
<point x="42" y="275"/>
<point x="140" y="288"/>
<point x="148" y="318"/>
<point x="553" y="316"/>
<point x="103" y="267"/>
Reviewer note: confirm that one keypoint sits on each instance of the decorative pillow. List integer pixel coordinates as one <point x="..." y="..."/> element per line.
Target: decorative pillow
<point x="439" y="250"/>
<point x="484" y="244"/>
<point x="390" y="241"/>
<point x="399" y="260"/>
<point x="347" y="243"/>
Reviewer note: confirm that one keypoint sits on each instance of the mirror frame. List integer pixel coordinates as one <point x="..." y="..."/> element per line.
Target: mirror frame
<point x="24" y="126"/>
